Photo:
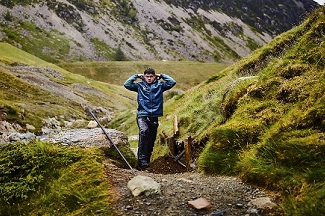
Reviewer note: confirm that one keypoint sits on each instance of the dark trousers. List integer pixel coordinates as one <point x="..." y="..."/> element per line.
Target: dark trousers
<point x="147" y="135"/>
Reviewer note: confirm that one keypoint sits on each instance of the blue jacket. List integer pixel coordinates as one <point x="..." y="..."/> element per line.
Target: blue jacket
<point x="150" y="96"/>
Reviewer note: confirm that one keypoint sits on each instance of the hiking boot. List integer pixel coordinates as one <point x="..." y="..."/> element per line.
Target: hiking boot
<point x="143" y="167"/>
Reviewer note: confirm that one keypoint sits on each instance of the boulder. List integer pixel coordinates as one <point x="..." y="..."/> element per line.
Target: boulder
<point x="20" y="137"/>
<point x="9" y="127"/>
<point x="92" y="124"/>
<point x="30" y="127"/>
<point x="51" y="125"/>
<point x="88" y="138"/>
<point x="143" y="185"/>
<point x="262" y="203"/>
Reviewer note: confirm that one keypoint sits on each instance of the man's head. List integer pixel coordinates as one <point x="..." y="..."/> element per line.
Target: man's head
<point x="149" y="71"/>
<point x="149" y="75"/>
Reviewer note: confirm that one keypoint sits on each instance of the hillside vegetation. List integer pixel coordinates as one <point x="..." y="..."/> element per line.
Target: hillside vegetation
<point x="44" y="179"/>
<point x="264" y="118"/>
<point x="32" y="90"/>
<point x="41" y="178"/>
<point x="187" y="73"/>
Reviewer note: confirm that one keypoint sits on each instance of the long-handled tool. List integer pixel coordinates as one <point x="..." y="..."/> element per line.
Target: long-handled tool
<point x="179" y="145"/>
<point x="111" y="141"/>
<point x="178" y="157"/>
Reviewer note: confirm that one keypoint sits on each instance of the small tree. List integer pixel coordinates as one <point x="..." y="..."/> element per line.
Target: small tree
<point x="119" y="55"/>
<point x="8" y="16"/>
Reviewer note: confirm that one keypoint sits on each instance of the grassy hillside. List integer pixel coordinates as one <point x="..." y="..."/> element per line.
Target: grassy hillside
<point x="117" y="72"/>
<point x="41" y="178"/>
<point x="44" y="179"/>
<point x="28" y="103"/>
<point x="263" y="118"/>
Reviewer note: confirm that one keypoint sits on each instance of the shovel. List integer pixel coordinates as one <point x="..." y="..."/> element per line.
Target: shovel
<point x="107" y="136"/>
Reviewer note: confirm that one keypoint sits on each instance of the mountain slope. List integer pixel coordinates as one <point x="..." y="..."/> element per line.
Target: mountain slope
<point x="263" y="118"/>
<point x="264" y="16"/>
<point x="33" y="90"/>
<point x="146" y="30"/>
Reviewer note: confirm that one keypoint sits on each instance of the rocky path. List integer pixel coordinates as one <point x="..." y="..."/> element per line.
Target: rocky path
<point x="228" y="195"/>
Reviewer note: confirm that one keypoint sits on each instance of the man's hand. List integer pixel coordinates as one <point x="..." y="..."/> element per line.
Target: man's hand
<point x="158" y="76"/>
<point x="140" y="75"/>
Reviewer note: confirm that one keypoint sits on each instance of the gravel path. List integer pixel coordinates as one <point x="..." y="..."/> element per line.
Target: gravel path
<point x="228" y="195"/>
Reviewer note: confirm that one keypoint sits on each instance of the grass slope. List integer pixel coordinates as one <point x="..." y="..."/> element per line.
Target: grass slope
<point x="45" y="179"/>
<point x="117" y="72"/>
<point x="28" y="103"/>
<point x="263" y="118"/>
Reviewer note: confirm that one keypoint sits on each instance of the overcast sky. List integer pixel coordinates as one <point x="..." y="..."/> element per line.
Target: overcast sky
<point x="320" y="1"/>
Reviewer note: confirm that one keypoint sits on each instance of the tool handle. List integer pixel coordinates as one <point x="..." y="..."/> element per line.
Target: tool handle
<point x="107" y="136"/>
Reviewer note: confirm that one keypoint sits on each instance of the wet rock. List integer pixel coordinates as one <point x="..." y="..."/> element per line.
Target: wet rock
<point x="22" y="137"/>
<point x="128" y="207"/>
<point x="10" y="133"/>
<point x="20" y="68"/>
<point x="104" y="115"/>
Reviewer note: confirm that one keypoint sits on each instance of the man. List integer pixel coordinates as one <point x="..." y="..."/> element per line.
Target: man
<point x="150" y="107"/>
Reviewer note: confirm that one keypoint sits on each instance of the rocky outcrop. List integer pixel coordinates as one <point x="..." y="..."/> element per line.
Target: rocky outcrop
<point x="264" y="15"/>
<point x="53" y="133"/>
<point x="87" y="138"/>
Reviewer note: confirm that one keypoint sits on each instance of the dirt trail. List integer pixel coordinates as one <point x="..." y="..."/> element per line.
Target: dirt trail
<point x="227" y="194"/>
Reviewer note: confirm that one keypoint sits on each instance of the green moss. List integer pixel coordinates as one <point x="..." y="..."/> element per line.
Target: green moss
<point x="118" y="160"/>
<point x="215" y="77"/>
<point x="125" y="11"/>
<point x="310" y="201"/>
<point x="40" y="178"/>
<point x="33" y="104"/>
<point x="196" y="22"/>
<point x="232" y="95"/>
<point x="215" y="159"/>
<point x="238" y="134"/>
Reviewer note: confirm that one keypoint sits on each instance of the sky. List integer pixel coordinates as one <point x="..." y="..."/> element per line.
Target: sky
<point x="321" y="2"/>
